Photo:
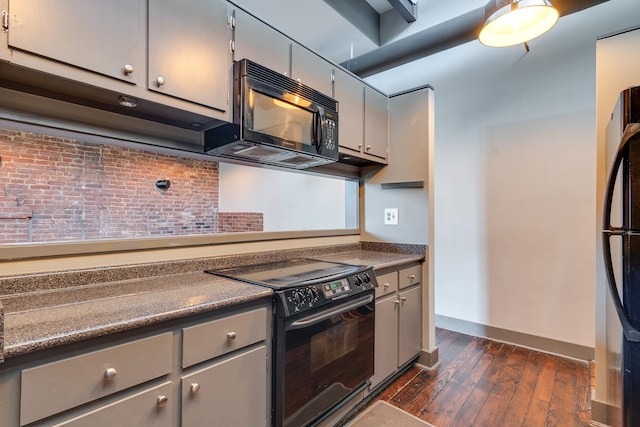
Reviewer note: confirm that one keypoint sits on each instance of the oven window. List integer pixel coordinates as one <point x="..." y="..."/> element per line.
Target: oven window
<point x="325" y="362"/>
<point x="279" y="118"/>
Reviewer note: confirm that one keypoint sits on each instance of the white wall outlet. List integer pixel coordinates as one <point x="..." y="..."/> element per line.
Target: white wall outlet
<point x="391" y="216"/>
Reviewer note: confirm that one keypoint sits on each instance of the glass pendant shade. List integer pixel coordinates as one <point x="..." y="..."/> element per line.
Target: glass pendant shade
<point x="518" y="22"/>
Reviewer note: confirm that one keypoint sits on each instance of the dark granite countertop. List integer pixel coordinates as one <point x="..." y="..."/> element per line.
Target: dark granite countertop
<point x="47" y="313"/>
<point x="38" y="320"/>
<point x="378" y="260"/>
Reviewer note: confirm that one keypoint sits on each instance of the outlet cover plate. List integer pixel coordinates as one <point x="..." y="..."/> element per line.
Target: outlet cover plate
<point x="391" y="216"/>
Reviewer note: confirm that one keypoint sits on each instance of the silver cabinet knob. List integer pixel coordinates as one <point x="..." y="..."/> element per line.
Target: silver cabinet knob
<point x="385" y="285"/>
<point x="231" y="335"/>
<point x="403" y="299"/>
<point x="160" y="81"/>
<point x="110" y="373"/>
<point x="411" y="277"/>
<point x="368" y="147"/>
<point x="397" y="302"/>
<point x="127" y="69"/>
<point x="195" y="387"/>
<point x="162" y="401"/>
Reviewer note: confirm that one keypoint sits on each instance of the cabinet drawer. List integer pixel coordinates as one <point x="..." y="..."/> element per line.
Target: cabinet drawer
<point x="61" y="385"/>
<point x="409" y="276"/>
<point x="387" y="284"/>
<point x="232" y="392"/>
<point x="152" y="408"/>
<point x="212" y="339"/>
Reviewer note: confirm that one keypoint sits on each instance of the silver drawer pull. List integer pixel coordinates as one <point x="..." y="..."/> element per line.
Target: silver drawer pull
<point x="412" y="277"/>
<point x="231" y="335"/>
<point x="385" y="285"/>
<point x="162" y="401"/>
<point x="110" y="373"/>
<point x="195" y="387"/>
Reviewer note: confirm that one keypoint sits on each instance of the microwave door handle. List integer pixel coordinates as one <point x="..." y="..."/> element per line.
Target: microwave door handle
<point x="321" y="120"/>
<point x="632" y="131"/>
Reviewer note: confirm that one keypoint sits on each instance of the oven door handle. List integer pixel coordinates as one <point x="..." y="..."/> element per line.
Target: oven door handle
<point x="324" y="315"/>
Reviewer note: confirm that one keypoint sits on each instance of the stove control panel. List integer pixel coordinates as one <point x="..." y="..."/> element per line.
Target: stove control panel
<point x="307" y="297"/>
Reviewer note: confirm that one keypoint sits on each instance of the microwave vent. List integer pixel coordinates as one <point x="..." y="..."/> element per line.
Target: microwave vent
<point x="293" y="86"/>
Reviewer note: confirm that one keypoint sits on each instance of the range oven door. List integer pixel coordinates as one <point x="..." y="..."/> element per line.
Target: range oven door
<point x="321" y="358"/>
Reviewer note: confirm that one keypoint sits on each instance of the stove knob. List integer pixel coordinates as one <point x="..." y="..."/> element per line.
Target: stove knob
<point x="367" y="278"/>
<point x="312" y="293"/>
<point x="298" y="297"/>
<point x="357" y="280"/>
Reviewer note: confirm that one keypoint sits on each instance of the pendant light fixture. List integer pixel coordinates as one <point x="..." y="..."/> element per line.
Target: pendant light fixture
<point x="518" y="22"/>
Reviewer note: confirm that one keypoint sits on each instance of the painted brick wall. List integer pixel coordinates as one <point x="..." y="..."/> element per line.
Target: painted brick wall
<point x="73" y="190"/>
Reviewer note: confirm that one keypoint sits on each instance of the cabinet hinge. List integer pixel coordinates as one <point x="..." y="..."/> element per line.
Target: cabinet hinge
<point x="5" y="21"/>
<point x="231" y="21"/>
<point x="232" y="46"/>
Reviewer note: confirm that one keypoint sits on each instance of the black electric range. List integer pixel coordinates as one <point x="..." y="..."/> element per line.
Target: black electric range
<point x="304" y="284"/>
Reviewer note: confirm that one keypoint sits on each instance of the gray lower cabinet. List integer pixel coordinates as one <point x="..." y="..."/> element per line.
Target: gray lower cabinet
<point x="208" y="371"/>
<point x="150" y="408"/>
<point x="398" y="328"/>
<point x="231" y="392"/>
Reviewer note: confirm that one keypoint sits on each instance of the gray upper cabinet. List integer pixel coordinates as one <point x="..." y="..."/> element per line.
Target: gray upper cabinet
<point x="260" y="43"/>
<point x="349" y="92"/>
<point x="189" y="50"/>
<point x="311" y="69"/>
<point x="104" y="37"/>
<point x="376" y="123"/>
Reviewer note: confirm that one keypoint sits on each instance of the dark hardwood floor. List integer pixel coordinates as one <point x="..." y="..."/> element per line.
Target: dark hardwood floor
<point x="486" y="383"/>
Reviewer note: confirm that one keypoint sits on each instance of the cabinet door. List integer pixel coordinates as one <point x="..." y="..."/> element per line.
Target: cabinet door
<point x="349" y="92"/>
<point x="311" y="70"/>
<point x="189" y="50"/>
<point x="260" y="43"/>
<point x="232" y="392"/>
<point x="386" y="339"/>
<point x="376" y="120"/>
<point x="410" y="331"/>
<point x="151" y="408"/>
<point x="104" y="37"/>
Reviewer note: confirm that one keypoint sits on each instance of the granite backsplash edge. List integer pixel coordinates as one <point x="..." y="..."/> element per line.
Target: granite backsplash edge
<point x="10" y="285"/>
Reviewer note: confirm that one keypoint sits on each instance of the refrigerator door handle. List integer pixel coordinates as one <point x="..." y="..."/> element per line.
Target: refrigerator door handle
<point x="631" y="132"/>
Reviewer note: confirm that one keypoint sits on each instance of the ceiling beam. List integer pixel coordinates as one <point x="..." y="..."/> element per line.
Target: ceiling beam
<point x="361" y="15"/>
<point x="406" y="8"/>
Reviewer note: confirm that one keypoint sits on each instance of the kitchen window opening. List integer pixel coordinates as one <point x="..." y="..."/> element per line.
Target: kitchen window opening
<point x="58" y="190"/>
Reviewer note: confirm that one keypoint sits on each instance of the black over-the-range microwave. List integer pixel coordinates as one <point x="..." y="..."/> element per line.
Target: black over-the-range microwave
<point x="276" y="120"/>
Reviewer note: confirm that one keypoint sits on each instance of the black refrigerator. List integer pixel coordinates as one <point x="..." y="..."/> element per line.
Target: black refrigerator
<point x="621" y="247"/>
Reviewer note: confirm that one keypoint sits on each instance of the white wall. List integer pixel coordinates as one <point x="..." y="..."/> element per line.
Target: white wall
<point x="515" y="176"/>
<point x="289" y="201"/>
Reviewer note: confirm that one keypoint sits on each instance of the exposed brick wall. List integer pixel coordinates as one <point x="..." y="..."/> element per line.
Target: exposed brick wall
<point x="235" y="222"/>
<point x="76" y="191"/>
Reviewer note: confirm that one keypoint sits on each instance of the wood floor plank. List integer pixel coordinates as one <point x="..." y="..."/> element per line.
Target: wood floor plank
<point x="461" y="365"/>
<point x="444" y="408"/>
<point x="426" y="383"/>
<point x="469" y="411"/>
<point x="516" y="412"/>
<point x="503" y="386"/>
<point x="486" y="383"/>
